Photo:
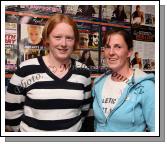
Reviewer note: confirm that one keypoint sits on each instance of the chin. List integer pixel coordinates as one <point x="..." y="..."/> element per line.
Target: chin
<point x="113" y="67"/>
<point x="64" y="57"/>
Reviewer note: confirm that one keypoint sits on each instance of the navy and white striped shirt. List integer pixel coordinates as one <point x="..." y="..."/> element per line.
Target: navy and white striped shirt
<point x="37" y="100"/>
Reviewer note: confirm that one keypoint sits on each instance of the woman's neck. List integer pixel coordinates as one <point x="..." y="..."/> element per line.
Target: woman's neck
<point x="122" y="74"/>
<point x="56" y="66"/>
<point x="52" y="61"/>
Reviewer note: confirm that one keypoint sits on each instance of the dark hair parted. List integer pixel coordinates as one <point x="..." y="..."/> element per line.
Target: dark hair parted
<point x="124" y="33"/>
<point x="53" y="21"/>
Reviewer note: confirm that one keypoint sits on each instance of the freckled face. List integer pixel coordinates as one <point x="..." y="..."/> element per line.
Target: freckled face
<point x="117" y="53"/>
<point x="61" y="41"/>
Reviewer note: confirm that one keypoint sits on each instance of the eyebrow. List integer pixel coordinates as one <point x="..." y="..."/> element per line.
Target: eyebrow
<point x="117" y="45"/>
<point x="107" y="45"/>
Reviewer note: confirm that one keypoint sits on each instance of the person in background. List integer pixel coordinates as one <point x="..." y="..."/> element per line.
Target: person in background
<point x="11" y="56"/>
<point x="147" y="65"/>
<point x="34" y="36"/>
<point x="33" y="42"/>
<point x="137" y="16"/>
<point x="136" y="61"/>
<point x="95" y="39"/>
<point x="124" y="99"/>
<point x="52" y="92"/>
<point x="85" y="11"/>
<point x="84" y="40"/>
<point x="86" y="58"/>
<point x="119" y="13"/>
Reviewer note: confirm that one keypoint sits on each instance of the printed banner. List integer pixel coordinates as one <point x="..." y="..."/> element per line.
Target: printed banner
<point x="144" y="33"/>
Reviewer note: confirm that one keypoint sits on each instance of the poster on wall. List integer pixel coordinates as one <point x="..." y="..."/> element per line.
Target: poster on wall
<point x="31" y="43"/>
<point x="88" y="39"/>
<point x="116" y="14"/>
<point x="144" y="48"/>
<point x="89" y="36"/>
<point x="143" y="55"/>
<point x="102" y="58"/>
<point x="84" y="12"/>
<point x="10" y="47"/>
<point x="143" y="15"/>
<point x="144" y="33"/>
<point x="88" y="57"/>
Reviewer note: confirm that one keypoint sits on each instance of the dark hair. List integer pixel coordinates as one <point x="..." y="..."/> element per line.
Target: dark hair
<point x="118" y="14"/>
<point x="89" y="61"/>
<point x="124" y="33"/>
<point x="137" y="6"/>
<point x="84" y="53"/>
<point x="136" y="53"/>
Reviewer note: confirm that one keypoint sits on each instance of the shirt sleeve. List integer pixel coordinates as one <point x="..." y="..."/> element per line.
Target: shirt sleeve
<point x="14" y="101"/>
<point x="87" y="97"/>
<point x="148" y="105"/>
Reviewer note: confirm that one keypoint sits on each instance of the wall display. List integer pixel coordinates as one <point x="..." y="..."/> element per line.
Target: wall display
<point x="87" y="12"/>
<point x="10" y="47"/>
<point x="116" y="14"/>
<point x="92" y="26"/>
<point x="143" y="31"/>
<point x="143" y="15"/>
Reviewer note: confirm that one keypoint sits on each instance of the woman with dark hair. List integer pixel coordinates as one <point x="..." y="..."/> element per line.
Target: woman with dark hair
<point x="124" y="99"/>
<point x="86" y="58"/>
